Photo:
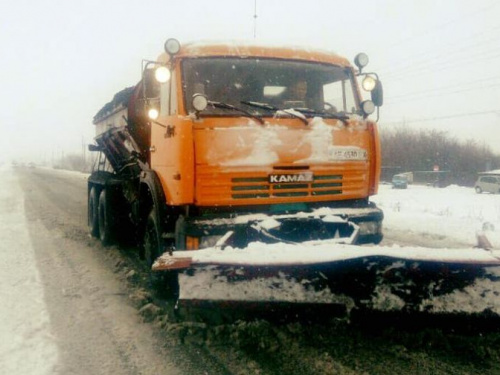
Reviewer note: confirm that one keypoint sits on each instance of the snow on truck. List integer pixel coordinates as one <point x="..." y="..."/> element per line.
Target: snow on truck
<point x="241" y="163"/>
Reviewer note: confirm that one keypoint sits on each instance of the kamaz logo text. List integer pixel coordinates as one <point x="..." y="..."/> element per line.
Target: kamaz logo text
<point x="287" y="178"/>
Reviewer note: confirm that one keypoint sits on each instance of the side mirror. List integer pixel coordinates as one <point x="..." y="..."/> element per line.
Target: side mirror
<point x="378" y="94"/>
<point x="94" y="148"/>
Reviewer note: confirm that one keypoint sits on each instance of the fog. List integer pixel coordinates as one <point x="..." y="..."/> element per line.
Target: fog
<point x="62" y="61"/>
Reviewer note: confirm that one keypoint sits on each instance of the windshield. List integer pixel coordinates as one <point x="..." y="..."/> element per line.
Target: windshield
<point x="279" y="84"/>
<point x="399" y="179"/>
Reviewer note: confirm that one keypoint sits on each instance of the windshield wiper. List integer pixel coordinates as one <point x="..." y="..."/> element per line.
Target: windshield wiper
<point x="303" y="111"/>
<point x="312" y="112"/>
<point x="232" y="107"/>
<point x="288" y="111"/>
<point x="260" y="105"/>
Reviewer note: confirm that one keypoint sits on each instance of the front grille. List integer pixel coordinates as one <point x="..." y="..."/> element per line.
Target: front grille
<point x="240" y="187"/>
<point x="259" y="187"/>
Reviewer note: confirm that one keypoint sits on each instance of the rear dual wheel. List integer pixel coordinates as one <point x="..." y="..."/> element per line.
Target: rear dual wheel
<point x="100" y="216"/>
<point x="105" y="219"/>
<point x="93" y="218"/>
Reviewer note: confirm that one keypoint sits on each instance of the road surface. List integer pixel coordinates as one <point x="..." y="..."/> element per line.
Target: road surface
<point x="101" y="321"/>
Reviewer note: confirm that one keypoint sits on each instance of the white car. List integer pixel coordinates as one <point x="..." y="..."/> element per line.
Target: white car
<point x="488" y="184"/>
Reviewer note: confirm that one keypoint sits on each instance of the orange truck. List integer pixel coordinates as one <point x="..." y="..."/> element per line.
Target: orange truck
<point x="230" y="163"/>
<point x="228" y="144"/>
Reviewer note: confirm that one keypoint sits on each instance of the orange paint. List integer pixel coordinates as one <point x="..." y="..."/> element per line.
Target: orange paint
<point x="228" y="160"/>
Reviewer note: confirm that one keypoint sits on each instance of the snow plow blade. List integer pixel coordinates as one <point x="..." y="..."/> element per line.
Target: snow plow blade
<point x="327" y="272"/>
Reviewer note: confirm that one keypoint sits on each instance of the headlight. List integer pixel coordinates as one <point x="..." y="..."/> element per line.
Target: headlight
<point x="368" y="107"/>
<point x="369" y="227"/>
<point x="153" y="113"/>
<point x="172" y="46"/>
<point x="361" y="60"/>
<point x="199" y="102"/>
<point x="162" y="74"/>
<point x="369" y="83"/>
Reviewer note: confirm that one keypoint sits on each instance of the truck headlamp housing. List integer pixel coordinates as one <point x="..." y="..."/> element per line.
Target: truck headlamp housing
<point x="153" y="113"/>
<point x="361" y="60"/>
<point x="162" y="74"/>
<point x="172" y="46"/>
<point x="199" y="102"/>
<point x="369" y="83"/>
<point x="369" y="228"/>
<point x="368" y="107"/>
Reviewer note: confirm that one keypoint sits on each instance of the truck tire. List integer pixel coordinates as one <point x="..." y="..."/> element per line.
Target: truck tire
<point x="93" y="218"/>
<point x="105" y="219"/>
<point x="151" y="239"/>
<point x="165" y="283"/>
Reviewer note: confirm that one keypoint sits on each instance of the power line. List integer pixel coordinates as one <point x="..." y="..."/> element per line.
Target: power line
<point x="455" y="62"/>
<point x="445" y="88"/>
<point x="444" y="25"/>
<point x="412" y="64"/>
<point x="425" y="95"/>
<point x="469" y="114"/>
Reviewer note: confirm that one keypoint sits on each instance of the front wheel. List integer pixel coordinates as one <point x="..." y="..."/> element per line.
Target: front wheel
<point x="152" y="239"/>
<point x="165" y="282"/>
<point x="479" y="190"/>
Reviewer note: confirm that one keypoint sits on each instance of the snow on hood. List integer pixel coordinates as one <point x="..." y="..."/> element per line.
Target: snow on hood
<point x="263" y="151"/>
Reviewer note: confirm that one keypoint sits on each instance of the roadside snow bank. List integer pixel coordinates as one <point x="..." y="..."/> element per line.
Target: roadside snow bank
<point x="457" y="213"/>
<point x="27" y="346"/>
<point x="454" y="214"/>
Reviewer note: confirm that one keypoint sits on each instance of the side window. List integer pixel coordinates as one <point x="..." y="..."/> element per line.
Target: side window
<point x="340" y="95"/>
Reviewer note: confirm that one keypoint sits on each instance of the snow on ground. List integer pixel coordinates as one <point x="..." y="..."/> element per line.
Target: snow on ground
<point x="26" y="345"/>
<point x="454" y="212"/>
<point x="457" y="214"/>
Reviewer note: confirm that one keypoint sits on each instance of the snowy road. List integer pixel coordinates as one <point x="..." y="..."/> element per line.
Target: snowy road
<point x="27" y="345"/>
<point x="66" y="309"/>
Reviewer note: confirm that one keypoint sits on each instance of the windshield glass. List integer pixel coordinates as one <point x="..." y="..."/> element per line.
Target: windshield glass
<point x="399" y="179"/>
<point x="277" y="83"/>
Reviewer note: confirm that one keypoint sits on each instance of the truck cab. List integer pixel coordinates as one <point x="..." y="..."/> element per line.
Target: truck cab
<point x="224" y="132"/>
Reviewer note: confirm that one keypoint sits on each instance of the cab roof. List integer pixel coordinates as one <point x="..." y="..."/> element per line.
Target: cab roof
<point x="243" y="49"/>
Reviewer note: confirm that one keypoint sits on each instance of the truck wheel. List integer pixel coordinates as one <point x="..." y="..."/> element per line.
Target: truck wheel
<point x="105" y="219"/>
<point x="165" y="283"/>
<point x="92" y="213"/>
<point x="151" y="239"/>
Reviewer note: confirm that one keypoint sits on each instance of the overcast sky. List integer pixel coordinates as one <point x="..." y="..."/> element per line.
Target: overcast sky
<point x="63" y="60"/>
